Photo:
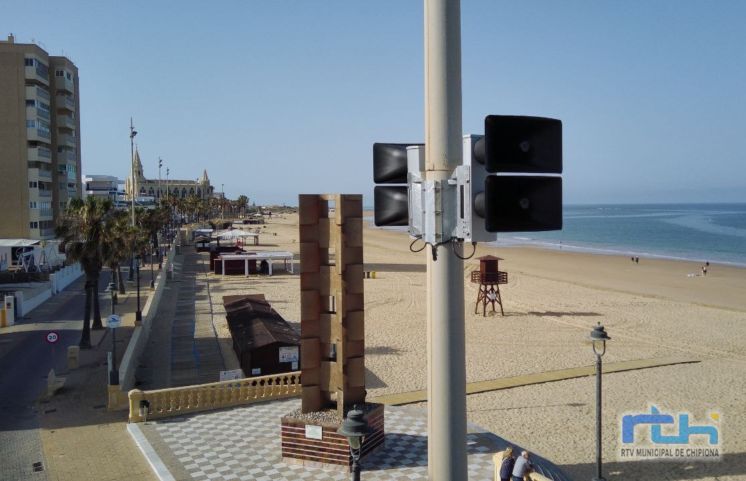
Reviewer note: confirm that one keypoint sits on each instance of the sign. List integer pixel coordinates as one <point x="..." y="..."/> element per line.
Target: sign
<point x="294" y="365"/>
<point x="256" y="371"/>
<point x="52" y="337"/>
<point x="113" y="321"/>
<point x="231" y="375"/>
<point x="289" y="354"/>
<point x="314" y="432"/>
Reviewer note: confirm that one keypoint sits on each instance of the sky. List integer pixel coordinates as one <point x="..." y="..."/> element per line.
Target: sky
<point x="277" y="98"/>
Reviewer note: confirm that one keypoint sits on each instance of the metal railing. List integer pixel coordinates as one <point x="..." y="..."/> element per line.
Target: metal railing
<point x="176" y="401"/>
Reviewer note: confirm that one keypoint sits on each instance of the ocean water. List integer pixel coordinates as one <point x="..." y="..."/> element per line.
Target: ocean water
<point x="697" y="232"/>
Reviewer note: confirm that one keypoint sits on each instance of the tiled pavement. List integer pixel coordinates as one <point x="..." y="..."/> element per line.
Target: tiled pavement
<point x="243" y="444"/>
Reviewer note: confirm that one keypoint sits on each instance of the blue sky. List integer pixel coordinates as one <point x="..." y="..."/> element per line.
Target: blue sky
<point x="277" y="98"/>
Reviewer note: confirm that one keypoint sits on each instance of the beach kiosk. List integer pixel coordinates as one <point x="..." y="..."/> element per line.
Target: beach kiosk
<point x="489" y="277"/>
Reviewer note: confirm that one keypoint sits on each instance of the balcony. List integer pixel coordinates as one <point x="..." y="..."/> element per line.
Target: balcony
<point x="37" y="93"/>
<point x="39" y="154"/>
<point x="65" y="102"/>
<point x="65" y="122"/>
<point x="66" y="139"/>
<point x="38" y="73"/>
<point x="45" y="193"/>
<point x="47" y="233"/>
<point x="38" y="135"/>
<point x="63" y="83"/>
<point x="40" y="174"/>
<point x="66" y="157"/>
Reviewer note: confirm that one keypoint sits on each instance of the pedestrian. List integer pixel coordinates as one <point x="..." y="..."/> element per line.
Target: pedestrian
<point x="637" y="260"/>
<point x="504" y="464"/>
<point x="704" y="270"/>
<point x="522" y="467"/>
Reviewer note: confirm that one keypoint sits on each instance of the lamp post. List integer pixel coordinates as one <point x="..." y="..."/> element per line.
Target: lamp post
<point x="355" y="428"/>
<point x="133" y="186"/>
<point x="138" y="313"/>
<point x="598" y="339"/>
<point x="152" y="276"/>
<point x="114" y="373"/>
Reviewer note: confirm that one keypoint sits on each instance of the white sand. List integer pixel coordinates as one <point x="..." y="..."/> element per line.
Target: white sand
<point x="651" y="310"/>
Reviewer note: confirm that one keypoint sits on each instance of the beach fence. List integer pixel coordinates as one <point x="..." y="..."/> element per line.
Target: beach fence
<point x="161" y="403"/>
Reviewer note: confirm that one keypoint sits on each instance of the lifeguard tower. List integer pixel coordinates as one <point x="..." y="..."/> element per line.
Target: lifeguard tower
<point x="489" y="277"/>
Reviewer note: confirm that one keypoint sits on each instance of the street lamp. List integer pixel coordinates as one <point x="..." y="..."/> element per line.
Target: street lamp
<point x="114" y="373"/>
<point x="598" y="339"/>
<point x="138" y="313"/>
<point x="152" y="277"/>
<point x="354" y="428"/>
<point x="133" y="185"/>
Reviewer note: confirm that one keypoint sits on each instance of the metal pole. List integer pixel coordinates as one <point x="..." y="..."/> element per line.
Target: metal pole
<point x="355" y="468"/>
<point x="152" y="275"/>
<point x="447" y="459"/>
<point x="114" y="376"/>
<point x="138" y="313"/>
<point x="133" y="186"/>
<point x="599" y="476"/>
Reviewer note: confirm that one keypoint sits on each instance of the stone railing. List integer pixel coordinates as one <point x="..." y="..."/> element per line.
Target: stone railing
<point x="176" y="401"/>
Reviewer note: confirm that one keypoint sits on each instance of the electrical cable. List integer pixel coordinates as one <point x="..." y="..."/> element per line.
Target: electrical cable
<point x="473" y="251"/>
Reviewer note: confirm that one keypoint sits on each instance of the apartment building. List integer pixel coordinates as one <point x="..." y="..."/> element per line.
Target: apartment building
<point x="39" y="139"/>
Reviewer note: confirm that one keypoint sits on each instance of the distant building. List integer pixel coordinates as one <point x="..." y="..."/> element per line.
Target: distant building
<point x="102" y="186"/>
<point x="39" y="139"/>
<point x="162" y="188"/>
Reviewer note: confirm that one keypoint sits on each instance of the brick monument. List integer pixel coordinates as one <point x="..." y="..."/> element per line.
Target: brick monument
<point x="332" y="333"/>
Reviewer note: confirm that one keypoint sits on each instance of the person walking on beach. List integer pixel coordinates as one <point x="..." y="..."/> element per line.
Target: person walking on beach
<point x="504" y="464"/>
<point x="704" y="270"/>
<point x="522" y="467"/>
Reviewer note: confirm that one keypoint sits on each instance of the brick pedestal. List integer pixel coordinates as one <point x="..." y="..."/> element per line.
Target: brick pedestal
<point x="332" y="450"/>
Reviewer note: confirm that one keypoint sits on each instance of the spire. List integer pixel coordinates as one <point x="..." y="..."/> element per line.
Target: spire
<point x="204" y="179"/>
<point x="138" y="165"/>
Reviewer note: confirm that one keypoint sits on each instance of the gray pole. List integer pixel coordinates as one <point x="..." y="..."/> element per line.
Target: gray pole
<point x="445" y="276"/>
<point x="132" y="169"/>
<point x="598" y="477"/>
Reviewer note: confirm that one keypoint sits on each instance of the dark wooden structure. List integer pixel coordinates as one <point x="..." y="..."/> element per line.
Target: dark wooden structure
<point x="489" y="277"/>
<point x="263" y="341"/>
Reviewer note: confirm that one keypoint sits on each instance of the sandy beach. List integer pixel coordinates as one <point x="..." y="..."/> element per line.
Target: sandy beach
<point x="657" y="309"/>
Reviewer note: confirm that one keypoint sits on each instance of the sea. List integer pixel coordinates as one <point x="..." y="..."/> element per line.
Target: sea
<point x="697" y="232"/>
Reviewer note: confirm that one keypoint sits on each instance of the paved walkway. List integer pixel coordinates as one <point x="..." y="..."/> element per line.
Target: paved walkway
<point x="243" y="444"/>
<point x="81" y="440"/>
<point x="182" y="347"/>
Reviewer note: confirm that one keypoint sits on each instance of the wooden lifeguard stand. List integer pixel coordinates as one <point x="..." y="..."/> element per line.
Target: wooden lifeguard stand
<point x="489" y="278"/>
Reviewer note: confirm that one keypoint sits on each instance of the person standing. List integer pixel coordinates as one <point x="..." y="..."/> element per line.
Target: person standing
<point x="522" y="467"/>
<point x="504" y="464"/>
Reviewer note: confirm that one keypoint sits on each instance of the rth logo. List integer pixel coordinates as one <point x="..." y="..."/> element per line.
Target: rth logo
<point x="668" y="436"/>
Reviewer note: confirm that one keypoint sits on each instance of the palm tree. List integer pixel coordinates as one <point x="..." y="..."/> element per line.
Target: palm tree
<point x="82" y="230"/>
<point x="118" y="245"/>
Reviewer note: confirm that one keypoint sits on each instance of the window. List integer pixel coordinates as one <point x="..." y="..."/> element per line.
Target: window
<point x="32" y="185"/>
<point x="30" y="124"/>
<point x="68" y="76"/>
<point x="32" y="204"/>
<point x="34" y="225"/>
<point x="59" y="73"/>
<point x="30" y="103"/>
<point x="29" y="62"/>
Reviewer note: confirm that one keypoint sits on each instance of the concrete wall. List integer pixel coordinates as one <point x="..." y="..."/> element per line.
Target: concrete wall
<point x="29" y="299"/>
<point x="139" y="339"/>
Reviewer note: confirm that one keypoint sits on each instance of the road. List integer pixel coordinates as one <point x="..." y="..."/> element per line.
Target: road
<point x="25" y="360"/>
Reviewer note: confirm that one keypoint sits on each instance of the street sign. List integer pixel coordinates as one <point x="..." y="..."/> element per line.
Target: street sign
<point x="113" y="321"/>
<point x="52" y="337"/>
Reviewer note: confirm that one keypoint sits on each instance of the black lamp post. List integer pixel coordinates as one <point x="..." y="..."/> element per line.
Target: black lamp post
<point x="598" y="339"/>
<point x="152" y="276"/>
<point x="114" y="374"/>
<point x="355" y="428"/>
<point x="138" y="313"/>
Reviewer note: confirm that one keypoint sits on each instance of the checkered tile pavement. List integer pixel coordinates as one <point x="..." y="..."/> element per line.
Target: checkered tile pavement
<point x="243" y="444"/>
